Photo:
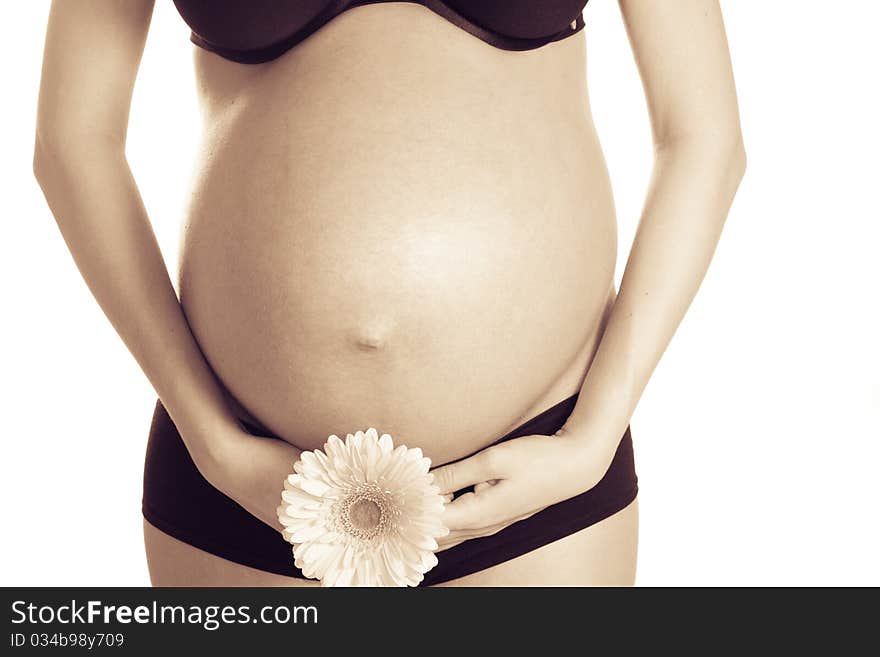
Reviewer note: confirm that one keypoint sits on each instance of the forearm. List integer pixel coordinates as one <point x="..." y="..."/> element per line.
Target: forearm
<point x="690" y="194"/>
<point x="91" y="192"/>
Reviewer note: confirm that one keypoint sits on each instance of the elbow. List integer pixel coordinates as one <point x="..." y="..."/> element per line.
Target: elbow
<point x="38" y="162"/>
<point x="736" y="159"/>
<point x="47" y="172"/>
<point x="45" y="161"/>
<point x="720" y="152"/>
<point x="727" y="163"/>
<point x="62" y="157"/>
<point x="65" y="146"/>
<point x="41" y="166"/>
<point x="56" y="167"/>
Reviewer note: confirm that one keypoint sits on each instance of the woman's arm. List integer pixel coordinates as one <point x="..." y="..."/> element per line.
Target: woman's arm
<point x="682" y="55"/>
<point x="92" y="53"/>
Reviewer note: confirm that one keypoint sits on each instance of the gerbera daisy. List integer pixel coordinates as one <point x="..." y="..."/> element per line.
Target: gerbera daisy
<point x="362" y="512"/>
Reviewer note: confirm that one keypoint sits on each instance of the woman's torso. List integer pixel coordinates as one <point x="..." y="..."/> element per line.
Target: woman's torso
<point x="397" y="225"/>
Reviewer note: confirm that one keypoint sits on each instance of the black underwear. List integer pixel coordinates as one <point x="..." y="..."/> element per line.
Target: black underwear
<point x="181" y="503"/>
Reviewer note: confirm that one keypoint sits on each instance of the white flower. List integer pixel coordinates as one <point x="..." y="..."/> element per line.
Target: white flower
<point x="362" y="512"/>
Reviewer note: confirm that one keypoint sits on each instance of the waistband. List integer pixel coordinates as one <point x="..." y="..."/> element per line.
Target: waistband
<point x="546" y="422"/>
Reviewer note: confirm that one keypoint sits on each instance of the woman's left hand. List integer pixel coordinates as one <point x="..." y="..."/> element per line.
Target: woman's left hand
<point x="515" y="479"/>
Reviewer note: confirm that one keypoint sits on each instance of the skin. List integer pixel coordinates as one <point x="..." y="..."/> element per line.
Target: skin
<point x="682" y="55"/>
<point x="607" y="347"/>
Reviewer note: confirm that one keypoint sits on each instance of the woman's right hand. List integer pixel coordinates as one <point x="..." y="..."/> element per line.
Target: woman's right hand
<point x="251" y="470"/>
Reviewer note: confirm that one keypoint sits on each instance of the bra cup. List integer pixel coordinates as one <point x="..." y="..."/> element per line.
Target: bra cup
<point x="249" y="24"/>
<point x="520" y="19"/>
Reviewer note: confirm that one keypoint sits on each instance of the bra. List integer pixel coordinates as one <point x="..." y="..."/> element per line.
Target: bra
<point x="257" y="31"/>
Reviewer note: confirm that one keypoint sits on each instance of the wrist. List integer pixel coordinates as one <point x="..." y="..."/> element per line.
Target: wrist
<point x="210" y="441"/>
<point x="590" y="448"/>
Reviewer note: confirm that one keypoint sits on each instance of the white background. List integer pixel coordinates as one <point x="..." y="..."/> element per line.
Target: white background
<point x="757" y="438"/>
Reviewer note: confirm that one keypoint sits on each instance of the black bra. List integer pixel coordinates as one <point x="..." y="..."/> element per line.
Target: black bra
<point x="256" y="31"/>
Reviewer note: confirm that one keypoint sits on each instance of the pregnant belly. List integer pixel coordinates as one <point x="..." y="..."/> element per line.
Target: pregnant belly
<point x="439" y="280"/>
<point x="439" y="331"/>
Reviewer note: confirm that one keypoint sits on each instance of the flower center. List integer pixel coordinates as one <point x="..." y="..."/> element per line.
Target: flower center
<point x="367" y="512"/>
<point x="364" y="514"/>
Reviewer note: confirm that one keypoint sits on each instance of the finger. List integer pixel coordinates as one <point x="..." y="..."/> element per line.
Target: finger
<point x="451" y="540"/>
<point x="447" y="498"/>
<point x="485" y="484"/>
<point x="473" y="512"/>
<point x="443" y="548"/>
<point x="458" y="537"/>
<point x="455" y="539"/>
<point x="466" y="534"/>
<point x="461" y="474"/>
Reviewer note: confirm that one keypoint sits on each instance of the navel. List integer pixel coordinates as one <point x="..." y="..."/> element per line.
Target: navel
<point x="371" y="337"/>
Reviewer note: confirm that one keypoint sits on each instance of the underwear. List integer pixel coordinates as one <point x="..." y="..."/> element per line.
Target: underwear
<point x="180" y="502"/>
<point x="257" y="31"/>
